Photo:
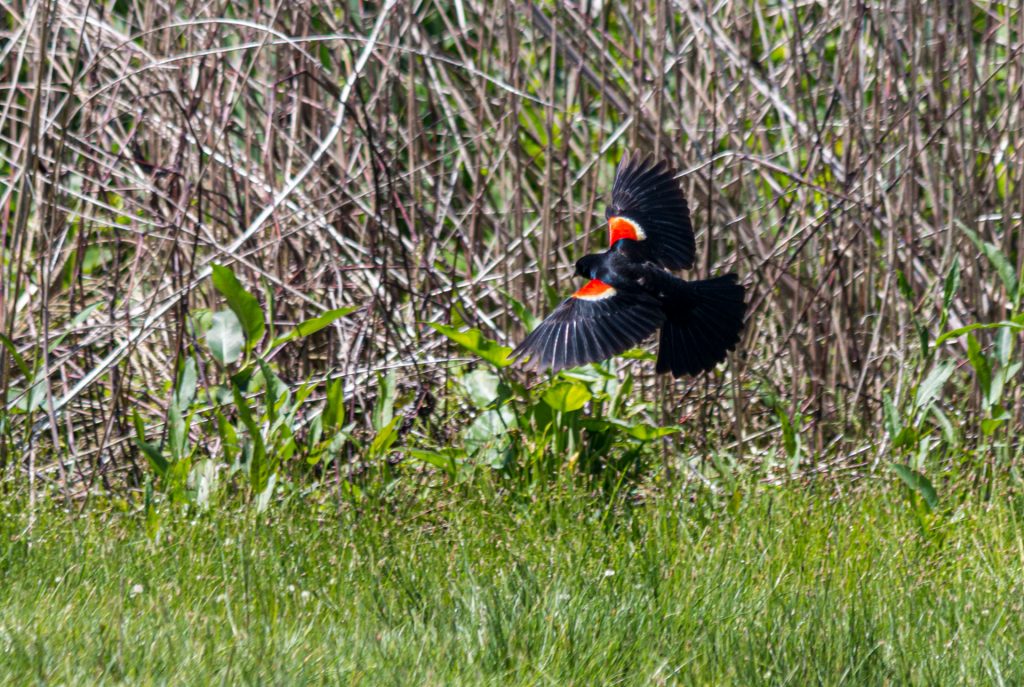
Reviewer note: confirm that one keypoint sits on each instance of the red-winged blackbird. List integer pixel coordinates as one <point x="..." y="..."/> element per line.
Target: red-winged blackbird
<point x="631" y="294"/>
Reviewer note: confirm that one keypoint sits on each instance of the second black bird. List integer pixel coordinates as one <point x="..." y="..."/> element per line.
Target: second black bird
<point x="631" y="293"/>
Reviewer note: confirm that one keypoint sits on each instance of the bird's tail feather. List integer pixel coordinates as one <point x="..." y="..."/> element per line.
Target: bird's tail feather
<point x="704" y="321"/>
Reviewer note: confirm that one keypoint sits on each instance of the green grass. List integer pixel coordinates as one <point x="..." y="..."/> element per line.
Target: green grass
<point x="791" y="588"/>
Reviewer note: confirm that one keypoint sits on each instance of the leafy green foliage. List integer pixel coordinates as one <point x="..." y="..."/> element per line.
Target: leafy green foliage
<point x="254" y="414"/>
<point x="864" y="321"/>
<point x="923" y="501"/>
<point x="225" y="337"/>
<point x="567" y="396"/>
<point x="172" y="459"/>
<point x="1001" y="262"/>
<point x="384" y="408"/>
<point x="918" y="485"/>
<point x="476" y="343"/>
<point x="242" y="303"/>
<point x="313" y="325"/>
<point x="918" y="423"/>
<point x="581" y="419"/>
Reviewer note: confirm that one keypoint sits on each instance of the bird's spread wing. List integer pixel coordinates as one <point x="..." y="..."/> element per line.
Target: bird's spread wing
<point x="593" y="324"/>
<point x="648" y="206"/>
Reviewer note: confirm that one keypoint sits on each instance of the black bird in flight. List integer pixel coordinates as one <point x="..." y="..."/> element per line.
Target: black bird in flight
<point x="631" y="292"/>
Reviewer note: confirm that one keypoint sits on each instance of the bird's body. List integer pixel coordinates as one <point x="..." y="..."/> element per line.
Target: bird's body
<point x="631" y="294"/>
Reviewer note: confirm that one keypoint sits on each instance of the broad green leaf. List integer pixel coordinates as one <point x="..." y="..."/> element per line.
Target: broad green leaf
<point x="313" y="325"/>
<point x="949" y="433"/>
<point x="242" y="303"/>
<point x="177" y="432"/>
<point x="475" y="342"/>
<point x="529" y="320"/>
<point x="385" y="438"/>
<point x="933" y="383"/>
<point x="918" y="483"/>
<point x="151" y="451"/>
<point x="990" y="424"/>
<point x="336" y="443"/>
<point x="995" y="256"/>
<point x="18" y="360"/>
<point x="499" y="454"/>
<point x="907" y="438"/>
<point x="185" y="392"/>
<point x="481" y="386"/>
<point x="140" y="428"/>
<point x="199" y="321"/>
<point x="277" y="390"/>
<point x="790" y="438"/>
<point x="923" y="338"/>
<point x="605" y="424"/>
<point x="203" y="481"/>
<point x="637" y="354"/>
<point x="952" y="285"/>
<point x="155" y="458"/>
<point x="313" y="437"/>
<point x="980" y="364"/>
<point x="264" y="495"/>
<point x="645" y="432"/>
<point x="27" y="401"/>
<point x="225" y="337"/>
<point x="1004" y="344"/>
<point x="352" y="490"/>
<point x="259" y="468"/>
<point x="334" y="410"/>
<point x="567" y="396"/>
<point x="1016" y="323"/>
<point x="219" y="394"/>
<point x="891" y="416"/>
<point x="444" y="459"/>
<point x="227" y="433"/>
<point x="283" y="451"/>
<point x="995" y="390"/>
<point x="384" y="408"/>
<point x="488" y="427"/>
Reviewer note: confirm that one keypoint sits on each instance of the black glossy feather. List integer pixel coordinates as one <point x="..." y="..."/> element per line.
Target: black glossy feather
<point x="582" y="331"/>
<point x="704" y="323"/>
<point x="631" y="294"/>
<point x="649" y="194"/>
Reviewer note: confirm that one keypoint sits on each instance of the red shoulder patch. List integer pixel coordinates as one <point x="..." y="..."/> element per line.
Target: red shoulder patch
<point x="595" y="289"/>
<point x="623" y="228"/>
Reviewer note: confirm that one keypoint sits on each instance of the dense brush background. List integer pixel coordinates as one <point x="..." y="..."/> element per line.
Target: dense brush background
<point x="261" y="263"/>
<point x="859" y="164"/>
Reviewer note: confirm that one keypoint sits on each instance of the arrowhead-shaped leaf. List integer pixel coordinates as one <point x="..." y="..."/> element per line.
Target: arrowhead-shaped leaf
<point x="242" y="303"/>
<point x="225" y="337"/>
<point x="314" y="324"/>
<point x="475" y="342"/>
<point x="567" y="396"/>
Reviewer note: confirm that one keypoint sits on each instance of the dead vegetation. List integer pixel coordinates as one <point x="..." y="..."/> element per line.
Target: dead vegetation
<point x="428" y="161"/>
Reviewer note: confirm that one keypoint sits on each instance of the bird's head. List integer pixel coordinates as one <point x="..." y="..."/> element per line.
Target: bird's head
<point x="586" y="265"/>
